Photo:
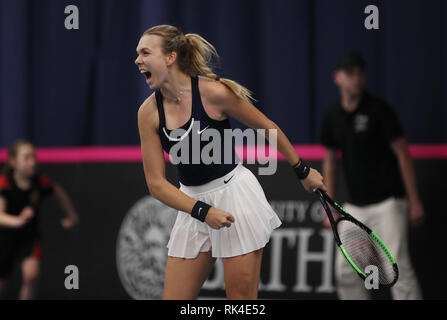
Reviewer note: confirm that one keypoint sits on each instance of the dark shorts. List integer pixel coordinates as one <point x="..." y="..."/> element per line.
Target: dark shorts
<point x="15" y="251"/>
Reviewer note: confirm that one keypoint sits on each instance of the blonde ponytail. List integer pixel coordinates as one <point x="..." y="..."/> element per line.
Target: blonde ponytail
<point x="195" y="56"/>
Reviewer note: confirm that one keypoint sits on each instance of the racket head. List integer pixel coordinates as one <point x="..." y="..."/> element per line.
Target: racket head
<point x="362" y="248"/>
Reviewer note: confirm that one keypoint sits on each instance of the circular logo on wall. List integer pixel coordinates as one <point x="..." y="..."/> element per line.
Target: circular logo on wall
<point x="141" y="252"/>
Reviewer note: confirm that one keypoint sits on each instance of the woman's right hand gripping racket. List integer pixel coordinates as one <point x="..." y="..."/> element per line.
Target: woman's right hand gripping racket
<point x="359" y="245"/>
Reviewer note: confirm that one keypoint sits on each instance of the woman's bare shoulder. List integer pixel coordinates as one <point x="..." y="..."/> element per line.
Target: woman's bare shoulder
<point x="148" y="113"/>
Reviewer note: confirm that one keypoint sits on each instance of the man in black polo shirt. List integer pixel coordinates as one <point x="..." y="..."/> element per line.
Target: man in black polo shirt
<point x="379" y="173"/>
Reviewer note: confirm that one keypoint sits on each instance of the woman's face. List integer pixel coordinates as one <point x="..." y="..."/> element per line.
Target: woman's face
<point x="25" y="161"/>
<point x="151" y="60"/>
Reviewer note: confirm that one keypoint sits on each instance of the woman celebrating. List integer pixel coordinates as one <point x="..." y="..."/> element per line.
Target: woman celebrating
<point x="21" y="191"/>
<point x="223" y="212"/>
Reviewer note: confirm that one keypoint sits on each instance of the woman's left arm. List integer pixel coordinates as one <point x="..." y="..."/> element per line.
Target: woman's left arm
<point x="220" y="98"/>
<point x="72" y="217"/>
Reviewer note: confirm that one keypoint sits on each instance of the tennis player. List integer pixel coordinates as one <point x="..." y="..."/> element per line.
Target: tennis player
<point x="21" y="190"/>
<point x="223" y="212"/>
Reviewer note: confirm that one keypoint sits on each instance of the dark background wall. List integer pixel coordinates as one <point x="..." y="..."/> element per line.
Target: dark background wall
<point x="63" y="87"/>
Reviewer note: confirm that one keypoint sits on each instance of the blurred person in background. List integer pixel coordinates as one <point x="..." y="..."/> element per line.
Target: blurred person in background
<point x="22" y="189"/>
<point x="379" y="172"/>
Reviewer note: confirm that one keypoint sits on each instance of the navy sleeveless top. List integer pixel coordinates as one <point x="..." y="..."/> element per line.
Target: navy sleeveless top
<point x="192" y="147"/>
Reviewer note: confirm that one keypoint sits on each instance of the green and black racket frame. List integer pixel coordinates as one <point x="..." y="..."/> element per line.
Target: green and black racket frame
<point x="359" y="245"/>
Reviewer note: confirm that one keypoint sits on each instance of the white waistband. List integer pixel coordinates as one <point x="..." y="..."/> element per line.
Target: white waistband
<point x="214" y="184"/>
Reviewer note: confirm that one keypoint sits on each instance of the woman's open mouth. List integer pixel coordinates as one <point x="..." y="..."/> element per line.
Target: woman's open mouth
<point x="147" y="74"/>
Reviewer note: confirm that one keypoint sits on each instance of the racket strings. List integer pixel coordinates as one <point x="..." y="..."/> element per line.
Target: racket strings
<point x="365" y="251"/>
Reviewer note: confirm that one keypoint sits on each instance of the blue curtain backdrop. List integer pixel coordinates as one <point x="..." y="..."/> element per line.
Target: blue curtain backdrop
<point x="63" y="87"/>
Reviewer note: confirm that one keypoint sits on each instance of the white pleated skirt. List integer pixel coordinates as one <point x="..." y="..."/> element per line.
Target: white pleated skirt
<point x="242" y="196"/>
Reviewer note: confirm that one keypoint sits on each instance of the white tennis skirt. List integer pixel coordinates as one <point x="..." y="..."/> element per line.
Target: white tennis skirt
<point x="242" y="196"/>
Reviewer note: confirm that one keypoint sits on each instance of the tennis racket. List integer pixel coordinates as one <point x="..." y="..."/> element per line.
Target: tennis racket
<point x="359" y="245"/>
